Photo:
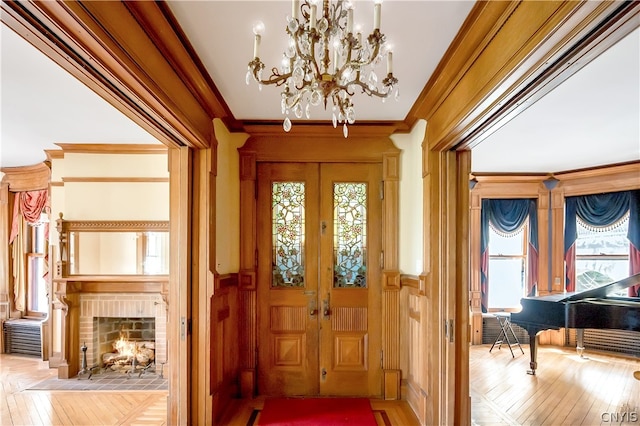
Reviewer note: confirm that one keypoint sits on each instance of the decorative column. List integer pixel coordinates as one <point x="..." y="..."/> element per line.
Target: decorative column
<point x="5" y="228"/>
<point x="391" y="277"/>
<point x="475" y="258"/>
<point x="247" y="276"/>
<point x="66" y="327"/>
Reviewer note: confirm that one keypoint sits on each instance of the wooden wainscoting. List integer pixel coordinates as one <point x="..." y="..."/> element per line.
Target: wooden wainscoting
<point x="413" y="342"/>
<point x="224" y="343"/>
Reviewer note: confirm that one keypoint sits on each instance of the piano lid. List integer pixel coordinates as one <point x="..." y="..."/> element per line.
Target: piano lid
<point x="603" y="291"/>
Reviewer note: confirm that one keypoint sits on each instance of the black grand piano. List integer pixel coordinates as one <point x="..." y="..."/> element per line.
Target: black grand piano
<point x="586" y="309"/>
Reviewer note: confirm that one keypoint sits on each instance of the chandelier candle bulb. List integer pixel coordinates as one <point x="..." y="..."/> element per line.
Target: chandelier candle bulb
<point x="312" y="16"/>
<point x="377" y="8"/>
<point x="350" y="20"/>
<point x="295" y="6"/>
<point x="389" y="62"/>
<point x="256" y="46"/>
<point x="258" y="29"/>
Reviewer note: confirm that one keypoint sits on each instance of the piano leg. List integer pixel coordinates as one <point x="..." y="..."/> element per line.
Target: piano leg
<point x="580" y="341"/>
<point x="533" y="349"/>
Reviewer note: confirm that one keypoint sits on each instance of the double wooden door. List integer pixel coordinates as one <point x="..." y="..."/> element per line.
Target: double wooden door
<point x="319" y="291"/>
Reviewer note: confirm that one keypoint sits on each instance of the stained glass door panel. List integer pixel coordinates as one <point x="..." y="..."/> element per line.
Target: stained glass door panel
<point x="287" y="215"/>
<point x="350" y="234"/>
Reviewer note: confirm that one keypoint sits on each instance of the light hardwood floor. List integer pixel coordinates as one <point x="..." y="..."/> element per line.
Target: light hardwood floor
<point x="566" y="390"/>
<point x="24" y="407"/>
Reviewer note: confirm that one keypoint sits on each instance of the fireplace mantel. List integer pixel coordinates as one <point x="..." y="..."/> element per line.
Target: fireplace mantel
<point x="112" y="284"/>
<point x="76" y="297"/>
<point x="67" y="313"/>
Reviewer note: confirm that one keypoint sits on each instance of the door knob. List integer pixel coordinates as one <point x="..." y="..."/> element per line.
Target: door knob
<point x="326" y="310"/>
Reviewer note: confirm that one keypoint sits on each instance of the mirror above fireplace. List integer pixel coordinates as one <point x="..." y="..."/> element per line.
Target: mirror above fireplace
<point x="104" y="248"/>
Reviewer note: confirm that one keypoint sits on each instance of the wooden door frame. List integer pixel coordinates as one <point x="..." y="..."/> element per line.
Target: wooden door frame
<point x="321" y="145"/>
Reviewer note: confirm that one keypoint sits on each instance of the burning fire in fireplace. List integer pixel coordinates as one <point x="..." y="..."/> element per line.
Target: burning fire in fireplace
<point x="129" y="354"/>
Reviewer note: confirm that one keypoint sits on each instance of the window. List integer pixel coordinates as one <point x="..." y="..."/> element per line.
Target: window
<point x="602" y="254"/>
<point x="507" y="266"/>
<point x="37" y="302"/>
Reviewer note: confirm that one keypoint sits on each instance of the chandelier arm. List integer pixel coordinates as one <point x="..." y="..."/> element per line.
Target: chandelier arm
<point x="275" y="78"/>
<point x="308" y="58"/>
<point x="362" y="64"/>
<point x="294" y="100"/>
<point x="365" y="89"/>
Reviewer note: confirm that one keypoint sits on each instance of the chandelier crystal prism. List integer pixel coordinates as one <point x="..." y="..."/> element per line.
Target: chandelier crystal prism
<point x="326" y="59"/>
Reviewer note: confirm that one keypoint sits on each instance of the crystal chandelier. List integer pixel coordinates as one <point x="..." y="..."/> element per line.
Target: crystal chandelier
<point x="326" y="59"/>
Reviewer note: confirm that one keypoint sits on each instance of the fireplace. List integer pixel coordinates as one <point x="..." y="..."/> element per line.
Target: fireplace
<point x="139" y="318"/>
<point x="124" y="342"/>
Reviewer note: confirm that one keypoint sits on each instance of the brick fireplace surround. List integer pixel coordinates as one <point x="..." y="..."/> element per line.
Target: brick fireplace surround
<point x="121" y="305"/>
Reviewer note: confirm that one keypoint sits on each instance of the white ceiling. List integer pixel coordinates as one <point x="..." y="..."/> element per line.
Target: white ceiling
<point x="592" y="119"/>
<point x="419" y="31"/>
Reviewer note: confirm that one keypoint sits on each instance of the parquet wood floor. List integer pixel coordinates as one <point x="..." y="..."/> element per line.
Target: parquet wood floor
<point x="567" y="390"/>
<point x="20" y="406"/>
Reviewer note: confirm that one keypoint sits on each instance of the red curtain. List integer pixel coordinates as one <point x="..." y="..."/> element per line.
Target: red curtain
<point x="634" y="268"/>
<point x="570" y="268"/>
<point x="30" y="204"/>
<point x="532" y="271"/>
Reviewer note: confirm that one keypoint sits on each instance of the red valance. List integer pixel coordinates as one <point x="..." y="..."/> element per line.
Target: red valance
<point x="30" y="204"/>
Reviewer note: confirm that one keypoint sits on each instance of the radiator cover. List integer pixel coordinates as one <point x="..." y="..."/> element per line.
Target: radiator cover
<point x="22" y="337"/>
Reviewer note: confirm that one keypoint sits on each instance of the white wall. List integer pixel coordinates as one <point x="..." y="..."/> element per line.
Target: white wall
<point x="411" y="195"/>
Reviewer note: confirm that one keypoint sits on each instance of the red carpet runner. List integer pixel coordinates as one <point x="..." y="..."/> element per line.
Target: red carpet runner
<point x="316" y="411"/>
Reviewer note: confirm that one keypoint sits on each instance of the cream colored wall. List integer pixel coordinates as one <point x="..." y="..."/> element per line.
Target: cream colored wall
<point x="116" y="201"/>
<point x="410" y="250"/>
<point x="114" y="165"/>
<point x="228" y="199"/>
<point x="74" y="195"/>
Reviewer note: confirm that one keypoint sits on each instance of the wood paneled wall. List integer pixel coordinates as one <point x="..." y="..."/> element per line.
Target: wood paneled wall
<point x="224" y="353"/>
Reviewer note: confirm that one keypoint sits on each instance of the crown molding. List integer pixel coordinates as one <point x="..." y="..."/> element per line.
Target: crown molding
<point x="94" y="148"/>
<point x="27" y="178"/>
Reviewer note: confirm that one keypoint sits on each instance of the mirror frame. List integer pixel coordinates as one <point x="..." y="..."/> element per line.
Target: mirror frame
<point x="66" y="227"/>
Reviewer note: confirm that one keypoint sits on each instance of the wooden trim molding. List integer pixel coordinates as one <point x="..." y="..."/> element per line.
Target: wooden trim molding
<point x="226" y="280"/>
<point x="77" y="179"/>
<point x="27" y="178"/>
<point x="407" y="280"/>
<point x="621" y="177"/>
<point x="112" y="225"/>
<point x="54" y="154"/>
<point x="101" y="148"/>
<point x="117" y="284"/>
